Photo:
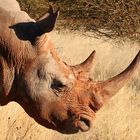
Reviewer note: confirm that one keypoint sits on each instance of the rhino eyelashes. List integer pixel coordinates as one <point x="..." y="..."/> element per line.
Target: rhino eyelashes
<point x="57" y="85"/>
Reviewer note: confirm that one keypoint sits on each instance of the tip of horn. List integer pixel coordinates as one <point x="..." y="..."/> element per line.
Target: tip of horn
<point x="93" y="53"/>
<point x="136" y="61"/>
<point x="90" y="58"/>
<point x="138" y="54"/>
<point x="138" y="57"/>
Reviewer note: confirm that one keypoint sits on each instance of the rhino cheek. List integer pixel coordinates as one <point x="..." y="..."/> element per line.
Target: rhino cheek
<point x="59" y="111"/>
<point x="52" y="109"/>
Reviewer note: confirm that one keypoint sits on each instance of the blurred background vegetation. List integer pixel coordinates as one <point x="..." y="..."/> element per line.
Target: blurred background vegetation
<point x="112" y="18"/>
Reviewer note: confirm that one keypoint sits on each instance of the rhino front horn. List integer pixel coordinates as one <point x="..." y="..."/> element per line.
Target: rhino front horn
<point x="109" y="87"/>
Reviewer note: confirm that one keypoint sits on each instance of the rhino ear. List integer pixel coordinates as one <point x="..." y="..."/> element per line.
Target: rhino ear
<point x="31" y="30"/>
<point x="6" y="77"/>
<point x="46" y="22"/>
<point x="82" y="70"/>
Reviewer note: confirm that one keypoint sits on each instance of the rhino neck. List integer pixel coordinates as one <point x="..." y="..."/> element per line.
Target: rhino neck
<point x="21" y="56"/>
<point x="14" y="50"/>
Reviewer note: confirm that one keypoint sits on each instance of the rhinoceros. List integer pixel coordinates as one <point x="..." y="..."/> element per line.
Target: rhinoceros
<point x="55" y="94"/>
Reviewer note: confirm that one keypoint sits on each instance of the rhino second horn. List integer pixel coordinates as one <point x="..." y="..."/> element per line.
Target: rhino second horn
<point x="85" y="67"/>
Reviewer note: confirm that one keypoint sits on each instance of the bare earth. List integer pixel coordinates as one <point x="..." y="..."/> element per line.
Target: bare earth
<point x="119" y="119"/>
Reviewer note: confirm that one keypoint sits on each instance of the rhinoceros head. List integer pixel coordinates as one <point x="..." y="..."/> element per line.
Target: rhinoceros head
<point x="60" y="94"/>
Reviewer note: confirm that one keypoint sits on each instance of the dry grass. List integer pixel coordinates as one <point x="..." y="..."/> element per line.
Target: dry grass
<point x="119" y="119"/>
<point x="120" y="17"/>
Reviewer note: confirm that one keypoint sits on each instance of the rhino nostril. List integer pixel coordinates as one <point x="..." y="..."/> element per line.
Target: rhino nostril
<point x="84" y="124"/>
<point x="87" y="122"/>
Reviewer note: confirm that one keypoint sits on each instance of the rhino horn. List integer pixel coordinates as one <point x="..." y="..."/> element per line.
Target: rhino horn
<point x="109" y="87"/>
<point x="83" y="69"/>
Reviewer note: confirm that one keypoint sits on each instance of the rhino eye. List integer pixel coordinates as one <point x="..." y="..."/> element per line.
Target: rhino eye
<point x="57" y="85"/>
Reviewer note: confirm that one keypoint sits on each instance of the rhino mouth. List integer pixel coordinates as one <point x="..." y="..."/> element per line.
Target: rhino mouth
<point x="83" y="118"/>
<point x="72" y="125"/>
